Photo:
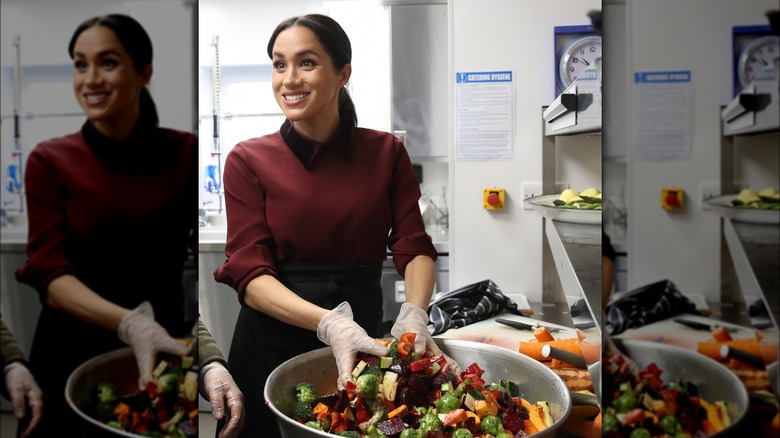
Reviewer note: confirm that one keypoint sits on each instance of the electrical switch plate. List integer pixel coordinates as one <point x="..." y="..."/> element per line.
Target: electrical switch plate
<point x="708" y="189"/>
<point x="400" y="292"/>
<point x="672" y="198"/>
<point x="531" y="189"/>
<point x="493" y="198"/>
<point x="401" y="135"/>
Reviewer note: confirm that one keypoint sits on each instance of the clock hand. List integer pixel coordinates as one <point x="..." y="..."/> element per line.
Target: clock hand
<point x="586" y="62"/>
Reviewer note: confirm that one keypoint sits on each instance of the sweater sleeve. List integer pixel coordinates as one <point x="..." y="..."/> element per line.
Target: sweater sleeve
<point x="47" y="224"/>
<point x="208" y="351"/>
<point x="408" y="238"/>
<point x="249" y="246"/>
<point x="9" y="349"/>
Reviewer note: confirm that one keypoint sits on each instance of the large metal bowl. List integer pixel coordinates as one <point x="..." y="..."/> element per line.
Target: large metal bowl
<point x="714" y="381"/>
<point x="536" y="381"/>
<point x="118" y="367"/>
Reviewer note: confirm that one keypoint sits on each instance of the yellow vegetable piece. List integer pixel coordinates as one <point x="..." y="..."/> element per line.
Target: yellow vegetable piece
<point x="477" y="420"/>
<point x="548" y="419"/>
<point x="568" y="195"/>
<point x="483" y="408"/>
<point x="748" y="195"/>
<point x="590" y="192"/>
<point x="536" y="415"/>
<point x="712" y="414"/>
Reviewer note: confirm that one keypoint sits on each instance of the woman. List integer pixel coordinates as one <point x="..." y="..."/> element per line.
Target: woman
<point x="112" y="211"/>
<point x="312" y="210"/>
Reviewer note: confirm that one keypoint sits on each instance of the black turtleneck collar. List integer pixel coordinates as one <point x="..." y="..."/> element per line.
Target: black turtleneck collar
<point x="144" y="151"/>
<point x="306" y="149"/>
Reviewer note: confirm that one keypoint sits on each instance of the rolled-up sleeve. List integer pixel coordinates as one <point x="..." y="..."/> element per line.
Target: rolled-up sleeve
<point x="408" y="238"/>
<point x="249" y="246"/>
<point x="48" y="231"/>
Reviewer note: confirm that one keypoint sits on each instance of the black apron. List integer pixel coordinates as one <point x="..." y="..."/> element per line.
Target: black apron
<point x="262" y="343"/>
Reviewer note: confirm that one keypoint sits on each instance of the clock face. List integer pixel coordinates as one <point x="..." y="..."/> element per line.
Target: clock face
<point x="757" y="55"/>
<point x="577" y="55"/>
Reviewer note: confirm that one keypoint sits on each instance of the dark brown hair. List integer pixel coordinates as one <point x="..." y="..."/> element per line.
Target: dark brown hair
<point x="135" y="41"/>
<point x="335" y="41"/>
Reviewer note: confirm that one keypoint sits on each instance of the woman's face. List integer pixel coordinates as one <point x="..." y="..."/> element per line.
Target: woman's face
<point x="106" y="83"/>
<point x="305" y="83"/>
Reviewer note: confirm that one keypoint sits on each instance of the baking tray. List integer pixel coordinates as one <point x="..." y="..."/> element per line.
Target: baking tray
<point x="544" y="205"/>
<point x="722" y="205"/>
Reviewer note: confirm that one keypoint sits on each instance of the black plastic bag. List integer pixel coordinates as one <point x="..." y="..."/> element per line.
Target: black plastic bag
<point x="467" y="305"/>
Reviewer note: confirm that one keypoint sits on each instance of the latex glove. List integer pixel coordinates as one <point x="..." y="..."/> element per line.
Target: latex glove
<point x="219" y="388"/>
<point x="139" y="330"/>
<point x="346" y="338"/>
<point x="413" y="319"/>
<point x="23" y="391"/>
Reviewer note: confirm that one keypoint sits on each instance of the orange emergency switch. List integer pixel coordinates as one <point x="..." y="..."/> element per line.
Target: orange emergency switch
<point x="672" y="198"/>
<point x="493" y="198"/>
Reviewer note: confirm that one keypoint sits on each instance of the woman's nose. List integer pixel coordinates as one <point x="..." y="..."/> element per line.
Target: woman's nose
<point x="291" y="77"/>
<point x="92" y="76"/>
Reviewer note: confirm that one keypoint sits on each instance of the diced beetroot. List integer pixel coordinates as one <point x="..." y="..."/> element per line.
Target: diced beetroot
<point x="513" y="420"/>
<point x="342" y="402"/>
<point x="471" y="424"/>
<point x="390" y="427"/>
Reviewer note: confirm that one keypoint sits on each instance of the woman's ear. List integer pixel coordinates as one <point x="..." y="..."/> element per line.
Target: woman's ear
<point x="346" y="72"/>
<point x="146" y="74"/>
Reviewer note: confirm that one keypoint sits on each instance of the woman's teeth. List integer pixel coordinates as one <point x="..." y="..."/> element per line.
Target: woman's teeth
<point x="294" y="97"/>
<point x="95" y="97"/>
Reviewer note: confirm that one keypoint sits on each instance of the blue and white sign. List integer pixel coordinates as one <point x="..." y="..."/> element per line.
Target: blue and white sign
<point x="663" y="115"/>
<point x="484" y="115"/>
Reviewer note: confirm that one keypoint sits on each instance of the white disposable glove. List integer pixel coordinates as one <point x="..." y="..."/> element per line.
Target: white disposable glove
<point x="219" y="388"/>
<point x="346" y="338"/>
<point x="139" y="330"/>
<point x="413" y="319"/>
<point x="23" y="391"/>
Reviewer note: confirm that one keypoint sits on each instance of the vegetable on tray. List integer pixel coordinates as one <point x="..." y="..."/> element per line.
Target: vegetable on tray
<point x="406" y="396"/>
<point x="168" y="408"/>
<point x="647" y="407"/>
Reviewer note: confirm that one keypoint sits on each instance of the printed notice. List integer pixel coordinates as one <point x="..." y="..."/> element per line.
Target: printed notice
<point x="662" y="115"/>
<point x="484" y="115"/>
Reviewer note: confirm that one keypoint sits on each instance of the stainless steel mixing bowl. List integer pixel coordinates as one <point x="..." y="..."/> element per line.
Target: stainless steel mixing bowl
<point x="536" y="381"/>
<point x="714" y="381"/>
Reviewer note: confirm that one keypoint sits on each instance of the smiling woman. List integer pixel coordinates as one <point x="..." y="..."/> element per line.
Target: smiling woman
<point x="104" y="219"/>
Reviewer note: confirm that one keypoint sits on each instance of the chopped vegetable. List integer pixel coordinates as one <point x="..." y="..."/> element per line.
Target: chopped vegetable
<point x="306" y="392"/>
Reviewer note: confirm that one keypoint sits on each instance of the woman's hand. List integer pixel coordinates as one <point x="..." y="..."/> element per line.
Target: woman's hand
<point x="346" y="337"/>
<point x="219" y="388"/>
<point x="139" y="330"/>
<point x="413" y="319"/>
<point x="23" y="391"/>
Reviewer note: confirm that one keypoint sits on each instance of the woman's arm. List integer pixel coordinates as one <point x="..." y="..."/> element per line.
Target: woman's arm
<point x="268" y="295"/>
<point x="419" y="279"/>
<point x="68" y="294"/>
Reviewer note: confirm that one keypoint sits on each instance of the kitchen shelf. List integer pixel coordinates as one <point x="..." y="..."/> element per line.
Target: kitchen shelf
<point x="750" y="252"/>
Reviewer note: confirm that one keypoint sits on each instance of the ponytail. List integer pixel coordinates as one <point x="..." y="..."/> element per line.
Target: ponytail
<point x="148" y="108"/>
<point x="347" y="108"/>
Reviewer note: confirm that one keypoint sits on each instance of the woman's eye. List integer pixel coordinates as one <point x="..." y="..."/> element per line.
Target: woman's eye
<point x="308" y="63"/>
<point x="109" y="63"/>
<point x="80" y="65"/>
<point x="278" y="65"/>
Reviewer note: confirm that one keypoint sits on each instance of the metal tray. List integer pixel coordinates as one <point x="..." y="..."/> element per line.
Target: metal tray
<point x="544" y="205"/>
<point x="722" y="205"/>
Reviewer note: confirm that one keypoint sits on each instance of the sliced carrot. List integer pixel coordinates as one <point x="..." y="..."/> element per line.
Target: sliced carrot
<point x="319" y="407"/>
<point x="404" y="348"/>
<point x="580" y="334"/>
<point x="759" y="335"/>
<point x="529" y="427"/>
<point x="409" y="337"/>
<point x="707" y="427"/>
<point x="542" y="334"/>
<point x="397" y="411"/>
<point x="720" y="334"/>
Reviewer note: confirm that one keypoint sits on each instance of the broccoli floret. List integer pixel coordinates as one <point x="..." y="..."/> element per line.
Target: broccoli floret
<point x="430" y="422"/>
<point x="107" y="392"/>
<point x="392" y="350"/>
<point x="302" y="409"/>
<point x="367" y="386"/>
<point x="348" y="433"/>
<point x="508" y="386"/>
<point x="375" y="370"/>
<point x="105" y="410"/>
<point x="168" y="383"/>
<point x="115" y="424"/>
<point x="314" y="425"/>
<point x="306" y="392"/>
